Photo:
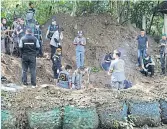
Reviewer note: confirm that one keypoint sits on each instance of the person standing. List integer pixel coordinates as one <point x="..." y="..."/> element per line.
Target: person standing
<point x="30" y="17"/>
<point x="29" y="46"/>
<point x="117" y="71"/>
<point x="163" y="52"/>
<point x="51" y="29"/>
<point x="142" y="45"/>
<point x="55" y="41"/>
<point x="3" y="35"/>
<point x="21" y="28"/>
<point x="80" y="43"/>
<point x="38" y="35"/>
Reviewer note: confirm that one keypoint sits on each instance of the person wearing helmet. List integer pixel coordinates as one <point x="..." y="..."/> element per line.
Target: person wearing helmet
<point x="57" y="66"/>
<point x="51" y="29"/>
<point x="38" y="35"/>
<point x="147" y="66"/>
<point x="163" y="51"/>
<point x="80" y="43"/>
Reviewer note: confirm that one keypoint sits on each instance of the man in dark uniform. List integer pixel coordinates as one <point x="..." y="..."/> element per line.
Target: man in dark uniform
<point x="21" y="28"/>
<point x="51" y="29"/>
<point x="38" y="35"/>
<point x="29" y="46"/>
<point x="147" y="66"/>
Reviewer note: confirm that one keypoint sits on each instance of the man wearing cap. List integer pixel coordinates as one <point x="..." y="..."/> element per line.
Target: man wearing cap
<point x="147" y="66"/>
<point x="51" y="29"/>
<point x="117" y="71"/>
<point x="142" y="45"/>
<point x="38" y="35"/>
<point x="80" y="43"/>
<point x="163" y="51"/>
<point x="29" y="46"/>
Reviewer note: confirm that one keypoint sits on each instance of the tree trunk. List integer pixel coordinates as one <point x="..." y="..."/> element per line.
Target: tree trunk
<point x="144" y="22"/>
<point x="151" y="22"/>
<point x="74" y="9"/>
<point x="165" y="23"/>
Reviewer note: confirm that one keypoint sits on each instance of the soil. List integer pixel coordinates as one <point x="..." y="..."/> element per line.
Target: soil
<point x="103" y="35"/>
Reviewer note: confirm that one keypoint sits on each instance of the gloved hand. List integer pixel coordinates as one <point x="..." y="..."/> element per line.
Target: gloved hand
<point x="145" y="70"/>
<point x="73" y="86"/>
<point x="58" y="70"/>
<point x="46" y="37"/>
<point x="147" y="65"/>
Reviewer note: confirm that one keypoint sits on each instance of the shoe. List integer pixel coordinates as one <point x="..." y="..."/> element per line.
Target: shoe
<point x="33" y="86"/>
<point x="25" y="83"/>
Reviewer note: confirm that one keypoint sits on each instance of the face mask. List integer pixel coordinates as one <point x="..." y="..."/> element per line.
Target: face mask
<point x="80" y="35"/>
<point x="37" y="26"/>
<point x="54" y="22"/>
<point x="147" y="58"/>
<point x="59" y="53"/>
<point x="4" y="22"/>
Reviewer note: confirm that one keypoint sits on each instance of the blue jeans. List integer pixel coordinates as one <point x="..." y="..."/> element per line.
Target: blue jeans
<point x="29" y="62"/>
<point x="80" y="58"/>
<point x="141" y="54"/>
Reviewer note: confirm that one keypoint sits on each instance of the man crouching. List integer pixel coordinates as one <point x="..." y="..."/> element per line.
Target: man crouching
<point x="147" y="66"/>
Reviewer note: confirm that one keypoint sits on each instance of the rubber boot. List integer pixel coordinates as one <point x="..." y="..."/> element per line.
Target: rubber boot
<point x="163" y="71"/>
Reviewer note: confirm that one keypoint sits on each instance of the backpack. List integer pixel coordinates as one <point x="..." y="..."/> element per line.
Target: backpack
<point x="127" y="84"/>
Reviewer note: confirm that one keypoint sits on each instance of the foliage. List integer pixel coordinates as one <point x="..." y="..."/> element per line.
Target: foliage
<point x="95" y="69"/>
<point x="124" y="11"/>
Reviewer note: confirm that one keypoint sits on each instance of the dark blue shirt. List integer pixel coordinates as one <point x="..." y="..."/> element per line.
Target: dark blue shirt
<point x="142" y="41"/>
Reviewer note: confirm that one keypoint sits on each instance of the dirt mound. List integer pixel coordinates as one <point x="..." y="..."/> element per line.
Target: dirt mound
<point x="11" y="68"/>
<point x="103" y="35"/>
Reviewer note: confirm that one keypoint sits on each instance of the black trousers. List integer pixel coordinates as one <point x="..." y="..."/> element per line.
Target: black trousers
<point x="150" y="69"/>
<point x="53" y="50"/>
<point x="29" y="61"/>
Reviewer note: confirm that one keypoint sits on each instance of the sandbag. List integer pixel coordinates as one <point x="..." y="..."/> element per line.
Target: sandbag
<point x="163" y="106"/>
<point x="7" y="120"/>
<point x="45" y="120"/>
<point x="113" y="115"/>
<point x="145" y="113"/>
<point x="80" y="118"/>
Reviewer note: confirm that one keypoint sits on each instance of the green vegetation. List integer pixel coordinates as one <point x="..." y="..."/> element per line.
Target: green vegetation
<point x="125" y="12"/>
